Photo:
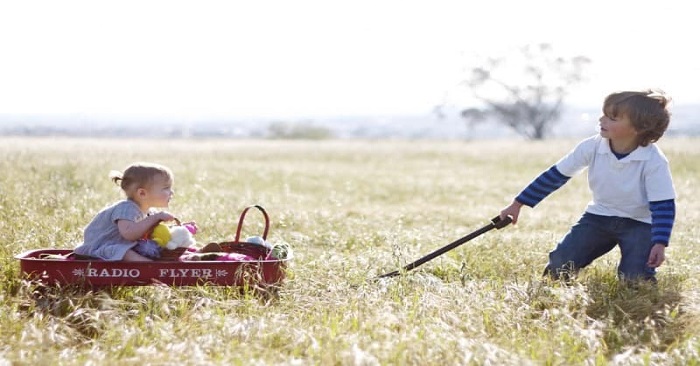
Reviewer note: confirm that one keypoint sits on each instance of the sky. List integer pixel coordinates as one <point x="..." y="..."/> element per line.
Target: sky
<point x="312" y="58"/>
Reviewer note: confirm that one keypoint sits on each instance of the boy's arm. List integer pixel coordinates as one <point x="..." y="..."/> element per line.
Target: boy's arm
<point x="663" y="215"/>
<point x="546" y="183"/>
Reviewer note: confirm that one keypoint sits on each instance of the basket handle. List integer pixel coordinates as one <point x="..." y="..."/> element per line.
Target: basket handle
<point x="240" y="222"/>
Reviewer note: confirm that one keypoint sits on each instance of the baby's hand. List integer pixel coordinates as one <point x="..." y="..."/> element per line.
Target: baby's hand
<point x="165" y="216"/>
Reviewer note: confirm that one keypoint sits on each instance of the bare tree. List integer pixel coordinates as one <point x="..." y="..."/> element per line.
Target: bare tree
<point x="527" y="98"/>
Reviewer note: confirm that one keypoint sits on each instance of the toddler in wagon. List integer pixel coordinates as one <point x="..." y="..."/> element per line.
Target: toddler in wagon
<point x="114" y="233"/>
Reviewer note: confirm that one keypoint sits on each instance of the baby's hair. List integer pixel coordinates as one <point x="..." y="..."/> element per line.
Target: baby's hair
<point x="139" y="175"/>
<point x="647" y="110"/>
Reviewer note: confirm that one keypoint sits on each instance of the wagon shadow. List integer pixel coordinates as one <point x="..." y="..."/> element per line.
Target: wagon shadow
<point x="85" y="308"/>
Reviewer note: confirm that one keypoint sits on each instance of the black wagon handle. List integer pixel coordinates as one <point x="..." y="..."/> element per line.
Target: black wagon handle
<point x="500" y="223"/>
<point x="240" y="222"/>
<point x="496" y="223"/>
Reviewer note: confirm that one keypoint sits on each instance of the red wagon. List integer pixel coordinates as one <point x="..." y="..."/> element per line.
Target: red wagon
<point x="57" y="266"/>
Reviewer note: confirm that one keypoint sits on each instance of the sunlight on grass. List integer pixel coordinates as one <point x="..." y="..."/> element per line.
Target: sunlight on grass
<point x="351" y="210"/>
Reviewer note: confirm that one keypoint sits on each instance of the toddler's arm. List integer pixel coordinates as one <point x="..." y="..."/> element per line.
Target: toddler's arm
<point x="133" y="231"/>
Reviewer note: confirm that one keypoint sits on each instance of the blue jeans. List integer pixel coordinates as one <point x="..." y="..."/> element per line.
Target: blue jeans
<point x="594" y="235"/>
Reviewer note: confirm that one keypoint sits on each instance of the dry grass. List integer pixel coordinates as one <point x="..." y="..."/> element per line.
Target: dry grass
<point x="351" y="210"/>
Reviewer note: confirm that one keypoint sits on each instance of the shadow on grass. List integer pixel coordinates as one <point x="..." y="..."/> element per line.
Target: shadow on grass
<point x="633" y="315"/>
<point x="87" y="310"/>
<point x="638" y="314"/>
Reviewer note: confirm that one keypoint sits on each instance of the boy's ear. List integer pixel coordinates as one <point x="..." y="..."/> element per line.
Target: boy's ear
<point x="141" y="192"/>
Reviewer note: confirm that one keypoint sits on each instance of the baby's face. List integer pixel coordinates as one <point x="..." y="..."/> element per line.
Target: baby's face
<point x="160" y="192"/>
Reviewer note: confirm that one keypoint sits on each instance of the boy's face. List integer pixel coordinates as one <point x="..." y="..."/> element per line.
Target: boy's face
<point x="617" y="128"/>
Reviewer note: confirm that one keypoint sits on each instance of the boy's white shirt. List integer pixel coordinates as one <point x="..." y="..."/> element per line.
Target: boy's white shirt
<point x="622" y="187"/>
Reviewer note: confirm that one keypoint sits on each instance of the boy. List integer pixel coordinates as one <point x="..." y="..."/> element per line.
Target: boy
<point x="633" y="202"/>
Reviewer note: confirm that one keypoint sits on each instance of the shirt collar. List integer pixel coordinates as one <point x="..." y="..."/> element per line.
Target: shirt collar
<point x="640" y="153"/>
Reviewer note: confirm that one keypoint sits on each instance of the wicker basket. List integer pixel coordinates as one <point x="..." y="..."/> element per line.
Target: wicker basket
<point x="171" y="255"/>
<point x="254" y="250"/>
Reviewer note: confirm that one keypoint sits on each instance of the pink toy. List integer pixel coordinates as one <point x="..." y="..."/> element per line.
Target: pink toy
<point x="191" y="227"/>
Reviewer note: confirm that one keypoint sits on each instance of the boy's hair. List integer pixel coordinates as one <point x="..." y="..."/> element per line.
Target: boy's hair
<point x="647" y="111"/>
<point x="139" y="175"/>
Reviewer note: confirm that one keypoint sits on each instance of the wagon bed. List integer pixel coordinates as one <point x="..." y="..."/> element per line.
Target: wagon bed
<point x="45" y="265"/>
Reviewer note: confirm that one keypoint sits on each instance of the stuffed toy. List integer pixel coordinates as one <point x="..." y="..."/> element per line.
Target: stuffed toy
<point x="281" y="251"/>
<point x="147" y="248"/>
<point x="160" y="234"/>
<point x="166" y="237"/>
<point x="181" y="236"/>
<point x="275" y="251"/>
<point x="172" y="237"/>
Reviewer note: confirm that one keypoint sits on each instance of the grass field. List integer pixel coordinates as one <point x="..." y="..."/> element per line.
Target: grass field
<point x="351" y="210"/>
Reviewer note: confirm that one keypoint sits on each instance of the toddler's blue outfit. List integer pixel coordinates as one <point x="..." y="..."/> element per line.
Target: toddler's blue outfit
<point x="101" y="237"/>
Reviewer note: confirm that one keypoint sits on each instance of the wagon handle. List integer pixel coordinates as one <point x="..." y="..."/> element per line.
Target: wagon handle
<point x="496" y="223"/>
<point x="240" y="222"/>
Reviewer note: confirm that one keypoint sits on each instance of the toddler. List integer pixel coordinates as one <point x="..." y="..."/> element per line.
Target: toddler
<point x="115" y="233"/>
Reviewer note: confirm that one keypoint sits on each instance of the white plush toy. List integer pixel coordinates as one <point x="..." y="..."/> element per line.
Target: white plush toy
<point x="180" y="237"/>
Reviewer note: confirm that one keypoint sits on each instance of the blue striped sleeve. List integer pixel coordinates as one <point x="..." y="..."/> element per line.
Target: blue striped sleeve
<point x="663" y="214"/>
<point x="546" y="183"/>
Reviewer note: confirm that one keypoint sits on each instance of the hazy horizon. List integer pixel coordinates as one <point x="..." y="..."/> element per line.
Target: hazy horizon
<point x="311" y="58"/>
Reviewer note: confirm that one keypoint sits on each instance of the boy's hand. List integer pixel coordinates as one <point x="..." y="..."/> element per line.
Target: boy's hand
<point x="513" y="210"/>
<point x="656" y="256"/>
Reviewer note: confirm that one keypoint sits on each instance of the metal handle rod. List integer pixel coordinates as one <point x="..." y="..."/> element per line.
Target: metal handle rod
<point x="496" y="223"/>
